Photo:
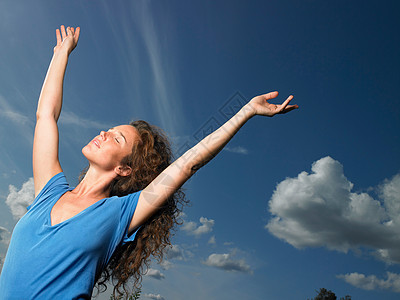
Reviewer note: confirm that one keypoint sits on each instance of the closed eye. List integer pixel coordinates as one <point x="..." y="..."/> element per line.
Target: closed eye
<point x="121" y="135"/>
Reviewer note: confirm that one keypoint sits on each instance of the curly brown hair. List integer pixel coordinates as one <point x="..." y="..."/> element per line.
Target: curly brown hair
<point x="150" y="156"/>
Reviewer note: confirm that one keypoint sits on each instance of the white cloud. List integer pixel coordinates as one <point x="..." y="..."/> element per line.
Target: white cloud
<point x="15" y="117"/>
<point x="320" y="209"/>
<point x="23" y="124"/>
<point x="154" y="296"/>
<point x="390" y="192"/>
<point x="225" y="262"/>
<point x="4" y="235"/>
<point x="212" y="240"/>
<point x="18" y="201"/>
<point x="189" y="226"/>
<point x="178" y="253"/>
<point x="371" y="282"/>
<point x="160" y="80"/>
<point x="192" y="228"/>
<point x="69" y="118"/>
<point x="175" y="252"/>
<point x="12" y="114"/>
<point x="166" y="264"/>
<point x="166" y="94"/>
<point x="156" y="274"/>
<point x="1" y="263"/>
<point x="237" y="149"/>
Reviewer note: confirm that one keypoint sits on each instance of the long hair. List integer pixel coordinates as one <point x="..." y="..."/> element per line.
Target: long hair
<point x="150" y="156"/>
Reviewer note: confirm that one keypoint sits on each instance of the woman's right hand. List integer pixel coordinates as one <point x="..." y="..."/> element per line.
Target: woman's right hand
<point x="67" y="39"/>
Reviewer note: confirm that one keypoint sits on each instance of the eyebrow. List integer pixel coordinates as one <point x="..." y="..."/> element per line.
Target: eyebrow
<point x="119" y="132"/>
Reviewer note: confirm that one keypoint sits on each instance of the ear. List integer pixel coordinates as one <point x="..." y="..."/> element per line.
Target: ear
<point x="123" y="170"/>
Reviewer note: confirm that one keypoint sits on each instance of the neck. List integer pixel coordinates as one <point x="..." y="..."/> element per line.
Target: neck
<point x="95" y="184"/>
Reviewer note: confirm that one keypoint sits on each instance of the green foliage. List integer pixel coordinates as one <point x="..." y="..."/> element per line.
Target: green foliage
<point x="133" y="296"/>
<point x="324" y="294"/>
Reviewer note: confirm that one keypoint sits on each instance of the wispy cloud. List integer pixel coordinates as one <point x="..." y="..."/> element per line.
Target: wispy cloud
<point x="15" y="117"/>
<point x="70" y="118"/>
<point x="7" y="111"/>
<point x="23" y="124"/>
<point x="237" y="149"/>
<point x="165" y="90"/>
<point x="19" y="200"/>
<point x="147" y="63"/>
<point x="320" y="209"/>
<point x="371" y="282"/>
<point x="197" y="230"/>
<point x="226" y="262"/>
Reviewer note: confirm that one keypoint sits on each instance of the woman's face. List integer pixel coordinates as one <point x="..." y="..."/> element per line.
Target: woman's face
<point x="108" y="149"/>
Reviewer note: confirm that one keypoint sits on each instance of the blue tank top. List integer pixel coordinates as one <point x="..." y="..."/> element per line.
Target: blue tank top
<point x="64" y="260"/>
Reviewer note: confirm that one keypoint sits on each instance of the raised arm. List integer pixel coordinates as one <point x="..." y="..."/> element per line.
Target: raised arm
<point x="173" y="177"/>
<point x="45" y="144"/>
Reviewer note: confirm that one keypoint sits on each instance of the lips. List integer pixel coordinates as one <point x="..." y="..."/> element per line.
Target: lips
<point x="96" y="142"/>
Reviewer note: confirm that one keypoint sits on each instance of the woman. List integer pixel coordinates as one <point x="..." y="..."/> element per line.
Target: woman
<point x="122" y="210"/>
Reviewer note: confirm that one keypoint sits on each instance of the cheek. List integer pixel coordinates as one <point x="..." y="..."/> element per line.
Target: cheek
<point x="105" y="158"/>
<point x="110" y="159"/>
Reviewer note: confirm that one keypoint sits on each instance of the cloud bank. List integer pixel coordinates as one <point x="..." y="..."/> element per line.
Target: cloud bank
<point x="320" y="210"/>
<point x="19" y="200"/>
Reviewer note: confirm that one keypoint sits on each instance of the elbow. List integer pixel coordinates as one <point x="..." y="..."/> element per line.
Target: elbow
<point x="188" y="170"/>
<point x="40" y="114"/>
<point x="196" y="167"/>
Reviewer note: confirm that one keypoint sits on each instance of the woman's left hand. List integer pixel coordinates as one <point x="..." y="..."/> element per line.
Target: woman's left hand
<point x="260" y="105"/>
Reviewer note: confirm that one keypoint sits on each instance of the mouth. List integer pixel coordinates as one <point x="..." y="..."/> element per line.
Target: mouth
<point x="96" y="142"/>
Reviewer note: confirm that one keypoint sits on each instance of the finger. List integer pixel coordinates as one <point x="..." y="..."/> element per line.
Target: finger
<point x="289" y="108"/>
<point x="63" y="33"/>
<point x="69" y="31"/>
<point x="58" y="36"/>
<point x="284" y="104"/>
<point x="271" y="95"/>
<point x="72" y="30"/>
<point x="77" y="32"/>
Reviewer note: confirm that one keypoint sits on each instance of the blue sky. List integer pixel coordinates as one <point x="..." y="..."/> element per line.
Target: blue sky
<point x="295" y="203"/>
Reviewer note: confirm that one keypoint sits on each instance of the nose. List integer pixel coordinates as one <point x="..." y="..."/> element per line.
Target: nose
<point x="102" y="134"/>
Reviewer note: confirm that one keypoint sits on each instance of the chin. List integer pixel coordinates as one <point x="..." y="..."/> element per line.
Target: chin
<point x="85" y="151"/>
